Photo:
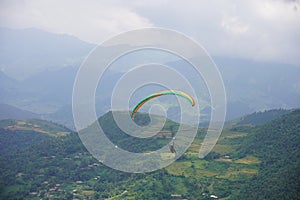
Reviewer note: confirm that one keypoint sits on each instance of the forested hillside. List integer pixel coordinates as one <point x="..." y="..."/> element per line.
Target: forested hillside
<point x="277" y="145"/>
<point x="262" y="117"/>
<point x="260" y="162"/>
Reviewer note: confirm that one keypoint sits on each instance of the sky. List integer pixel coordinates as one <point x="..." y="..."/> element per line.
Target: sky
<point x="261" y="30"/>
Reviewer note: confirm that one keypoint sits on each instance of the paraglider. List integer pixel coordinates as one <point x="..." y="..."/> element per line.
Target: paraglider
<point x="164" y="92"/>
<point x="172" y="146"/>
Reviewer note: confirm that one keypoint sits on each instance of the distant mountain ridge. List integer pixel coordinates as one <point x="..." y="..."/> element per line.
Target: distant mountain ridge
<point x="28" y="51"/>
<point x="250" y="86"/>
<point x="255" y="118"/>
<point x="254" y="86"/>
<point x="263" y="117"/>
<point x="11" y="112"/>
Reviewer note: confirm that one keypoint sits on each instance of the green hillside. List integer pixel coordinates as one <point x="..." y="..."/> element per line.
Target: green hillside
<point x="260" y="162"/>
<point x="276" y="144"/>
<point x="34" y="125"/>
<point x="256" y="118"/>
<point x="262" y="117"/>
<point x="11" y="112"/>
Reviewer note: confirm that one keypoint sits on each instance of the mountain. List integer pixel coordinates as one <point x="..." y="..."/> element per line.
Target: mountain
<point x="62" y="116"/>
<point x="7" y="81"/>
<point x="256" y="118"/>
<point x="18" y="135"/>
<point x="8" y="86"/>
<point x="258" y="85"/>
<point x="46" y="64"/>
<point x="43" y="93"/>
<point x="25" y="52"/>
<point x="262" y="117"/>
<point x="54" y="89"/>
<point x="11" y="112"/>
<point x="130" y="143"/>
<point x="34" y="125"/>
<point x="276" y="144"/>
<point x="258" y="162"/>
<point x="252" y="86"/>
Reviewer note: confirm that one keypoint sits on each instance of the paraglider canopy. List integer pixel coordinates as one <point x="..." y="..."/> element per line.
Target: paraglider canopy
<point x="164" y="92"/>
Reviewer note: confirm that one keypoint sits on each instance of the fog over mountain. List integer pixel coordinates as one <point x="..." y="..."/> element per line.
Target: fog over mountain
<point x="25" y="52"/>
<point x="52" y="61"/>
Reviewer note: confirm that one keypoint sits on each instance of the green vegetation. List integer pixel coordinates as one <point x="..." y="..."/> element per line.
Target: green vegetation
<point x="276" y="144"/>
<point x="257" y="118"/>
<point x="248" y="162"/>
<point x="35" y="125"/>
<point x="262" y="117"/>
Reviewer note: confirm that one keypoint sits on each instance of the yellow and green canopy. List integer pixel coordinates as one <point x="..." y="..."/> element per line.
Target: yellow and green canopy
<point x="164" y="92"/>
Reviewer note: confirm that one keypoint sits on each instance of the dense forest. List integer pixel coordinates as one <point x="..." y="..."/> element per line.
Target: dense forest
<point x="42" y="160"/>
<point x="276" y="144"/>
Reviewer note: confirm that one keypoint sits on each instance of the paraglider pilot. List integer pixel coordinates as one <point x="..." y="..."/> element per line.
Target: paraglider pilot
<point x="172" y="147"/>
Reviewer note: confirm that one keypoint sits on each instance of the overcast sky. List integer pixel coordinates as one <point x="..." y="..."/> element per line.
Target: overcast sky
<point x="264" y="30"/>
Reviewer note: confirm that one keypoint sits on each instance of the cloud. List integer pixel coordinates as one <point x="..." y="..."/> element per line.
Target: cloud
<point x="234" y="25"/>
<point x="265" y="30"/>
<point x="92" y="21"/>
